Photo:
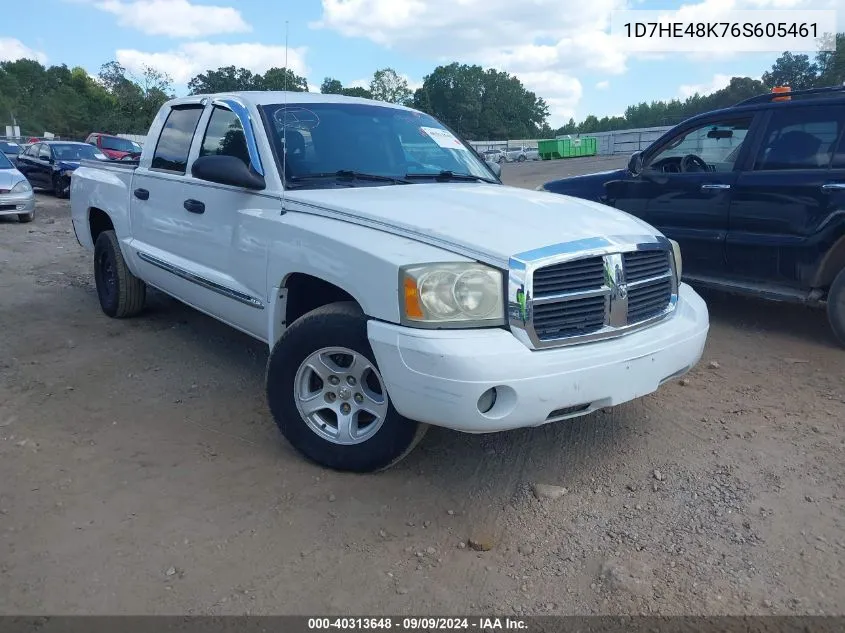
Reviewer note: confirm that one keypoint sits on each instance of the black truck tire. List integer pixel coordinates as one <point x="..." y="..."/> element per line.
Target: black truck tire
<point x="836" y="306"/>
<point x="120" y="292"/>
<point x="322" y="371"/>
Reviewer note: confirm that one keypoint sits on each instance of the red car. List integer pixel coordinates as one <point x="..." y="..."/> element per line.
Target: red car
<point x="114" y="147"/>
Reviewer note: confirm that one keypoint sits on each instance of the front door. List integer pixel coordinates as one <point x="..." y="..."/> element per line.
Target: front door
<point x="783" y="214"/>
<point x="687" y="182"/>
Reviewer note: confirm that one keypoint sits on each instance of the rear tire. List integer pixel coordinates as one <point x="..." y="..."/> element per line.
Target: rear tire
<point x="120" y="292"/>
<point x="328" y="398"/>
<point x="836" y="306"/>
<point x="23" y="218"/>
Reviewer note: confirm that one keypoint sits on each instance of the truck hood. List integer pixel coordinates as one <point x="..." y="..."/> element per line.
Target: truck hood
<point x="472" y="218"/>
<point x="590" y="186"/>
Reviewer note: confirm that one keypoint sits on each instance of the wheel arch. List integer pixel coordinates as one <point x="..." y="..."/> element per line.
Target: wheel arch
<point x="830" y="265"/>
<point x="299" y="293"/>
<point x="98" y="221"/>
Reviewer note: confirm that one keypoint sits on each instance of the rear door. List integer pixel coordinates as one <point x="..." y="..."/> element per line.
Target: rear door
<point x="686" y="183"/>
<point x="26" y="162"/>
<point x="785" y="209"/>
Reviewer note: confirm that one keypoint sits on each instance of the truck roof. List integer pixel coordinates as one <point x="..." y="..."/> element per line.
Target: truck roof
<point x="268" y="97"/>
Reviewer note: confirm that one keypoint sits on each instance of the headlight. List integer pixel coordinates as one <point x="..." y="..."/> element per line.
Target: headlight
<point x="22" y="187"/>
<point x="676" y="252"/>
<point x="540" y="188"/>
<point x="451" y="295"/>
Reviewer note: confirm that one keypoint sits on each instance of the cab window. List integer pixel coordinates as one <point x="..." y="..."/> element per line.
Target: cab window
<point x="713" y="146"/>
<point x="224" y="136"/>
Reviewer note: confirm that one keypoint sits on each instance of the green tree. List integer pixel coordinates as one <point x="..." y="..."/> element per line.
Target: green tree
<point x="481" y="104"/>
<point x="795" y="71"/>
<point x="281" y="79"/>
<point x="224" y="79"/>
<point x="831" y="65"/>
<point x="331" y="86"/>
<point x="387" y="85"/>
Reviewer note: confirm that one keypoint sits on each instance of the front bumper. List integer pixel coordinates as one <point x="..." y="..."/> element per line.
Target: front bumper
<point x="17" y="203"/>
<point x="438" y="376"/>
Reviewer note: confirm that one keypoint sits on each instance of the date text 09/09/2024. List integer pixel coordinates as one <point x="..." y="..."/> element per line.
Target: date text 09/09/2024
<point x="418" y="624"/>
<point x="721" y="29"/>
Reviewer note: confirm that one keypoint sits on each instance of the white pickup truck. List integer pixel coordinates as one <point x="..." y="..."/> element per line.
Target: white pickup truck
<point x="396" y="280"/>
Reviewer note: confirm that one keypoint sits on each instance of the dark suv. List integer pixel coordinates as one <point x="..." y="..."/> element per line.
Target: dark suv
<point x="754" y="194"/>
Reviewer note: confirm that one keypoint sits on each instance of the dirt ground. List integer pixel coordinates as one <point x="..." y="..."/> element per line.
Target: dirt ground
<point x="141" y="473"/>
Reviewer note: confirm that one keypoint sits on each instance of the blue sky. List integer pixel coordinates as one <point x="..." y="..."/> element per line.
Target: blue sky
<point x="559" y="48"/>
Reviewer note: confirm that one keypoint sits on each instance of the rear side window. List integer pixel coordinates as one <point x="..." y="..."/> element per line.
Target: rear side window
<point x="174" y="143"/>
<point x="225" y="136"/>
<point x="800" y="138"/>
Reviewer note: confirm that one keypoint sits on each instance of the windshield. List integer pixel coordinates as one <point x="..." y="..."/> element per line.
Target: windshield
<point x="119" y="144"/>
<point x="5" y="163"/>
<point x="74" y="152"/>
<point x="325" y="138"/>
<point x="8" y="147"/>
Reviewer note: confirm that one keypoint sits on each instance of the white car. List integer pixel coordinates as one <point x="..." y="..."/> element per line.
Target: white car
<point x="392" y="294"/>
<point x="16" y="195"/>
<point x="495" y="156"/>
<point x="521" y="154"/>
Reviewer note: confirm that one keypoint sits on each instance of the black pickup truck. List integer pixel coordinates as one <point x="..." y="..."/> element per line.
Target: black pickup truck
<point x="754" y="194"/>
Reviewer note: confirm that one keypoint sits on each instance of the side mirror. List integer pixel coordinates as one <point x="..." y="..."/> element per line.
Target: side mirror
<point x="635" y="163"/>
<point x="496" y="167"/>
<point x="227" y="170"/>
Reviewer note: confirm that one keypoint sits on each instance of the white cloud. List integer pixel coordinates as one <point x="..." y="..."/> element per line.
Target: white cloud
<point x="12" y="49"/>
<point x="536" y="40"/>
<point x="602" y="85"/>
<point x="192" y="58"/>
<point x="717" y="83"/>
<point x="175" y="18"/>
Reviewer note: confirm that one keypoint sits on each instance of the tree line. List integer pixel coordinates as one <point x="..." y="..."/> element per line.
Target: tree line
<point x="478" y="103"/>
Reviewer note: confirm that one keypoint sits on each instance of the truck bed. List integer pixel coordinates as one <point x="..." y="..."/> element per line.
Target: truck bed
<point x="112" y="164"/>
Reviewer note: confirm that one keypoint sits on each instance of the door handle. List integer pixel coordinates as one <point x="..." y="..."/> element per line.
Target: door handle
<point x="141" y="194"/>
<point x="715" y="185"/>
<point x="194" y="206"/>
<point x="833" y="186"/>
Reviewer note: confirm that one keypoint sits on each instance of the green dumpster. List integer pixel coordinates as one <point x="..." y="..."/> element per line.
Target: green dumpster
<point x="567" y="147"/>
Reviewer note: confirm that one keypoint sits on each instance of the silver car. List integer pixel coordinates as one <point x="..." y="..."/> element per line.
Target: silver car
<point x="16" y="196"/>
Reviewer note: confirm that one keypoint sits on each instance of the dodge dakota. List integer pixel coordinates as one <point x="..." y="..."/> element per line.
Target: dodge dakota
<point x="397" y="282"/>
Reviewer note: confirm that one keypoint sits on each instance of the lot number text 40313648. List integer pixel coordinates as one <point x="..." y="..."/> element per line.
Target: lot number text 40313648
<point x="417" y="624"/>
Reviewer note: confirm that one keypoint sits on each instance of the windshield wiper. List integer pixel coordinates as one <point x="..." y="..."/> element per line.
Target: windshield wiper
<point x="350" y="174"/>
<point x="447" y="175"/>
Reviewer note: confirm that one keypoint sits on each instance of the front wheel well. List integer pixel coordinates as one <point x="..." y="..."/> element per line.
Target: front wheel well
<point x="304" y="293"/>
<point x="98" y="221"/>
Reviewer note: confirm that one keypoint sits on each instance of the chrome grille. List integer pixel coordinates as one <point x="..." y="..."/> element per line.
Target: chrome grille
<point x="648" y="300"/>
<point x="579" y="295"/>
<point x="583" y="274"/>
<point x="641" y="265"/>
<point x="569" y="318"/>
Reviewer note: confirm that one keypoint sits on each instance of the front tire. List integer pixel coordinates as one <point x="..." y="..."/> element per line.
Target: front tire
<point x="521" y="159"/>
<point x="59" y="188"/>
<point x="328" y="398"/>
<point x="120" y="292"/>
<point x="836" y="306"/>
<point x="23" y="218"/>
